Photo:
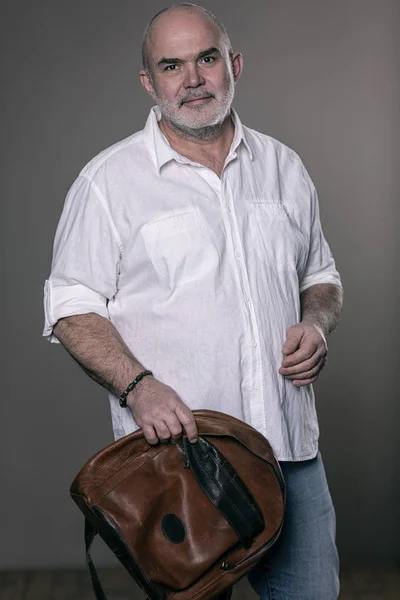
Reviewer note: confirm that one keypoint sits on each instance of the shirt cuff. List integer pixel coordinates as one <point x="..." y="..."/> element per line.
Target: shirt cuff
<point x="68" y="300"/>
<point x="307" y="282"/>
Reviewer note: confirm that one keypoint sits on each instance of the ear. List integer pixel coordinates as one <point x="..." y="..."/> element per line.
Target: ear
<point x="146" y="83"/>
<point x="237" y="65"/>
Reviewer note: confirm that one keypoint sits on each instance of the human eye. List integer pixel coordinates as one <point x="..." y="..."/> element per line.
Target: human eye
<point x="208" y="59"/>
<point x="170" y="68"/>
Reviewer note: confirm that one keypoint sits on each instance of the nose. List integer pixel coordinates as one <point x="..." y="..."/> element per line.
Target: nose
<point x="193" y="77"/>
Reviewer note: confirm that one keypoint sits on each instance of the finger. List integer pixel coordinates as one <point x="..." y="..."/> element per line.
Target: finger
<point x="301" y="382"/>
<point x="150" y="434"/>
<point x="304" y="366"/>
<point x="163" y="432"/>
<point x="306" y="351"/>
<point x="307" y="373"/>
<point x="292" y="342"/>
<point x="186" y="417"/>
<point x="174" y="426"/>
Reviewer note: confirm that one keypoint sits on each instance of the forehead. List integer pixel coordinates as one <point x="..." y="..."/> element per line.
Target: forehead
<point x="183" y="34"/>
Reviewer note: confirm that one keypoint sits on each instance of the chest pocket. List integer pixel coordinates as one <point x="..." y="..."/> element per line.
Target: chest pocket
<point x="278" y="240"/>
<point x="180" y="248"/>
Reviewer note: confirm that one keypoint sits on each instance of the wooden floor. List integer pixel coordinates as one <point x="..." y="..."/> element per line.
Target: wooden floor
<point x="375" y="582"/>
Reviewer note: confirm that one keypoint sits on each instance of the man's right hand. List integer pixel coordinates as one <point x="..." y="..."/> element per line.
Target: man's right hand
<point x="161" y="414"/>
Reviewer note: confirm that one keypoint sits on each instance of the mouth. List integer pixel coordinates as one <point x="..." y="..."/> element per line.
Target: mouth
<point x="195" y="101"/>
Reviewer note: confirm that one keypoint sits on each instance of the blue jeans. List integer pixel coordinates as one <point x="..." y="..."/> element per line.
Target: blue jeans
<point x="303" y="564"/>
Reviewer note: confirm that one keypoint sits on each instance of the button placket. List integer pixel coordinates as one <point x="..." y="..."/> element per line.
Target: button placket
<point x="236" y="243"/>
<point x="255" y="364"/>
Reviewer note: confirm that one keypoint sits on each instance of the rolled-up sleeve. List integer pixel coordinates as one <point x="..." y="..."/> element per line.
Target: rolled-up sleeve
<point x="320" y="266"/>
<point x="86" y="256"/>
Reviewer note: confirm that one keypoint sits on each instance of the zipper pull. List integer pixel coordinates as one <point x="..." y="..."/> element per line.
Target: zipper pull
<point x="226" y="566"/>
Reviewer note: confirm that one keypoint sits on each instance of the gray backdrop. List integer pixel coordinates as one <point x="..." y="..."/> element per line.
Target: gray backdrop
<point x="321" y="76"/>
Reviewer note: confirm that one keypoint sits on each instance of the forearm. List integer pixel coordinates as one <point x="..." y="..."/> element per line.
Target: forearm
<point x="99" y="349"/>
<point x="322" y="304"/>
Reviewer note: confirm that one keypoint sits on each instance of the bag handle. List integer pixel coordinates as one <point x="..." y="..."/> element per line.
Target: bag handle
<point x="211" y="422"/>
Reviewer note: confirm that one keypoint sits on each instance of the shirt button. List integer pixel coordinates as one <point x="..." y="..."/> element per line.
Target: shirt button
<point x="228" y="208"/>
<point x="237" y="254"/>
<point x="254" y="344"/>
<point x="246" y="298"/>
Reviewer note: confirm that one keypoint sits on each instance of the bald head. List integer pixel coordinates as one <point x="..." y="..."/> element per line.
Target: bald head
<point x="171" y="12"/>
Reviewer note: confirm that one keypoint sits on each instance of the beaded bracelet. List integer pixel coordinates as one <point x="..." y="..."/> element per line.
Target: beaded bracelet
<point x="131" y="386"/>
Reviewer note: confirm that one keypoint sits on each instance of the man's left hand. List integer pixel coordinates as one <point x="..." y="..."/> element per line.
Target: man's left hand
<point x="305" y="354"/>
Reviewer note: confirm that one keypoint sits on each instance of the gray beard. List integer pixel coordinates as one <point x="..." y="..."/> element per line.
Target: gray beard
<point x="204" y="134"/>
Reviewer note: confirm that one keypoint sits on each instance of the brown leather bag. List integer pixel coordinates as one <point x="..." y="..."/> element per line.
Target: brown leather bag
<point x="186" y="520"/>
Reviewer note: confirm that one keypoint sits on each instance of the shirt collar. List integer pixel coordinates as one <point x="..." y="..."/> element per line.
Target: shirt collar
<point x="239" y="135"/>
<point x="162" y="152"/>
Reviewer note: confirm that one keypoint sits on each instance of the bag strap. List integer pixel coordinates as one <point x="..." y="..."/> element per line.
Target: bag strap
<point x="90" y="534"/>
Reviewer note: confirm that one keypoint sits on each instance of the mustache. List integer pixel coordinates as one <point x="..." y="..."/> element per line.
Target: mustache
<point x="191" y="96"/>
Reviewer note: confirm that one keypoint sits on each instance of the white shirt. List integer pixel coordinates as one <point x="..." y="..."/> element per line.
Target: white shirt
<point x="200" y="275"/>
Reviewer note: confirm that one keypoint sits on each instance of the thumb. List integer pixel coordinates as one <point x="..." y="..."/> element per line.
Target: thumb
<point x="292" y="342"/>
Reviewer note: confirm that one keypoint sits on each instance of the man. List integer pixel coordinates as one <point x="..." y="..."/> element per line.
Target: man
<point x="194" y="248"/>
